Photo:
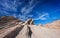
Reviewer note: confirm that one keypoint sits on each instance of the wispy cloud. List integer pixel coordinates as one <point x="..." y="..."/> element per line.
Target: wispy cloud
<point x="44" y="16"/>
<point x="4" y="12"/>
<point x="10" y="5"/>
<point x="15" y="15"/>
<point x="22" y="17"/>
<point x="28" y="8"/>
<point x="31" y="2"/>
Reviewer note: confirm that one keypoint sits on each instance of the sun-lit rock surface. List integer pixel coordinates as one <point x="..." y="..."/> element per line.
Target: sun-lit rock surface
<point x="55" y="24"/>
<point x="11" y="27"/>
<point x="43" y="32"/>
<point x="25" y="32"/>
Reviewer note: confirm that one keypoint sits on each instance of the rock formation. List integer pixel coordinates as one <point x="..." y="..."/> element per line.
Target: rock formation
<point x="8" y="21"/>
<point x="11" y="27"/>
<point x="51" y="30"/>
<point x="55" y="24"/>
<point x="26" y="31"/>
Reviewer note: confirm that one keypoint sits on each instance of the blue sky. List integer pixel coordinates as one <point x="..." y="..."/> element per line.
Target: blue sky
<point x="41" y="11"/>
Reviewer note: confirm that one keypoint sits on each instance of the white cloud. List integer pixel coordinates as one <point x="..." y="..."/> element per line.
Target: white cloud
<point x="44" y="16"/>
<point x="3" y="12"/>
<point x="11" y="5"/>
<point x="28" y="8"/>
<point x="15" y="15"/>
<point x="22" y="17"/>
<point x="30" y="15"/>
<point x="7" y="6"/>
<point x="31" y="2"/>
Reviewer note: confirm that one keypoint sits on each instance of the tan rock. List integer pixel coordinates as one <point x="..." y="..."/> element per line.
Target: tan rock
<point x="27" y="29"/>
<point x="55" y="24"/>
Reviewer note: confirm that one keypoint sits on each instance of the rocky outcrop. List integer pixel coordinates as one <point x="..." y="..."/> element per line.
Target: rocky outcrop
<point x="55" y="24"/>
<point x="51" y="30"/>
<point x="8" y="21"/>
<point x="14" y="28"/>
<point x="26" y="31"/>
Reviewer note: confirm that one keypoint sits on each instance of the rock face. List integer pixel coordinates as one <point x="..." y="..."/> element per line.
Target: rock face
<point x="8" y="21"/>
<point x="55" y="24"/>
<point x="26" y="31"/>
<point x="51" y="30"/>
<point x="11" y="27"/>
<point x="14" y="28"/>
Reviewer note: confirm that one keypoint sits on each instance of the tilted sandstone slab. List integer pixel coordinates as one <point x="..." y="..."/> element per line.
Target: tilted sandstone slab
<point x="2" y="35"/>
<point x="23" y="33"/>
